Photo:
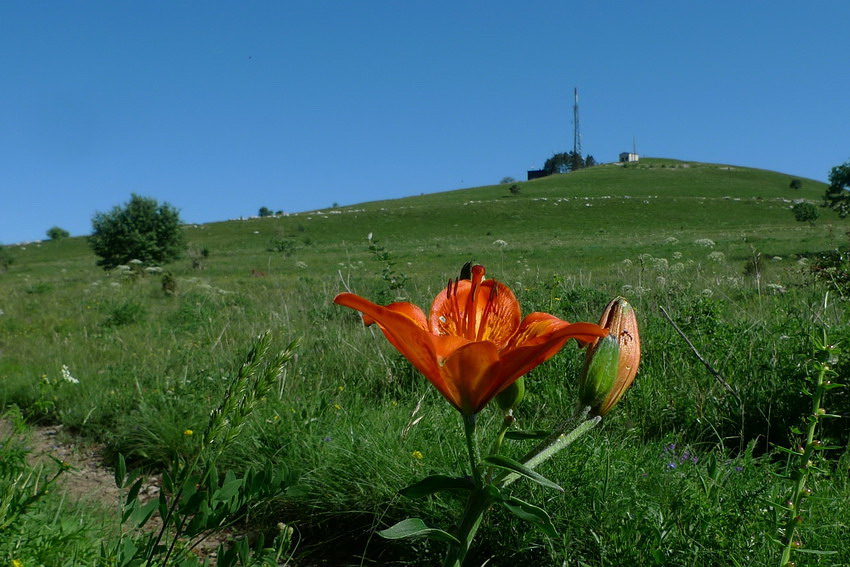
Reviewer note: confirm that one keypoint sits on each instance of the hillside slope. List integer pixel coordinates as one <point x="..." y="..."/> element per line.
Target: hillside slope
<point x="582" y="220"/>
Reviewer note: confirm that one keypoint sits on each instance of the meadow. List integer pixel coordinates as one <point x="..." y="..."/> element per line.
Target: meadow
<point x="687" y="470"/>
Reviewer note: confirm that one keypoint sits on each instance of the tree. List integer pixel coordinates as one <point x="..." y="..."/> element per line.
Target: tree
<point x="563" y="162"/>
<point x="142" y="229"/>
<point x="589" y="161"/>
<point x="6" y="259"/>
<point x="805" y="212"/>
<point x="795" y="184"/>
<point x="56" y="233"/>
<point x="507" y="179"/>
<point x="265" y="212"/>
<point x="837" y="195"/>
<point x="514" y="189"/>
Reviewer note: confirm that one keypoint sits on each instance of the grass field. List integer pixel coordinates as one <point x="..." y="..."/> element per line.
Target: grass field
<point x="685" y="471"/>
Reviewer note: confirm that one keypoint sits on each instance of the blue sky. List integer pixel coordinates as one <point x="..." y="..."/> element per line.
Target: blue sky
<point x="222" y="108"/>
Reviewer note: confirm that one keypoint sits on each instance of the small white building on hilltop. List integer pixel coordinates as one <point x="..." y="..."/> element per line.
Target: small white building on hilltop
<point x="628" y="157"/>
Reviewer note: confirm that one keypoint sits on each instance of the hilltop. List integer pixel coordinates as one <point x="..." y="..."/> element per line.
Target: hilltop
<point x="586" y="219"/>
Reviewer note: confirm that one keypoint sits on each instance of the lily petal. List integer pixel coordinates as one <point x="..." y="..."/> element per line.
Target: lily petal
<point x="521" y="359"/>
<point x="471" y="370"/>
<point x="404" y="333"/>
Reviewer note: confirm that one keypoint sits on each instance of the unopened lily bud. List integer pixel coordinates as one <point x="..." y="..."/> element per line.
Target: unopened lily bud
<point x="611" y="363"/>
<point x="509" y="398"/>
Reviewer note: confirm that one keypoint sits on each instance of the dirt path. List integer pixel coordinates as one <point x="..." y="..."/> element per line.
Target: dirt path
<point x="87" y="479"/>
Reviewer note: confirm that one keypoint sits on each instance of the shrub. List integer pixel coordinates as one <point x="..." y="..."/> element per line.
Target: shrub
<point x="795" y="184"/>
<point x="56" y="233"/>
<point x="141" y="230"/>
<point x="805" y="212"/>
<point x="6" y="259"/>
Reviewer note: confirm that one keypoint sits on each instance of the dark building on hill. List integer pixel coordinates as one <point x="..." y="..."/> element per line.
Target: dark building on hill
<point x="536" y="173"/>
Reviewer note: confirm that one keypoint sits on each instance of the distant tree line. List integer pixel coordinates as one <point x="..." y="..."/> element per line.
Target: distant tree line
<point x="565" y="162"/>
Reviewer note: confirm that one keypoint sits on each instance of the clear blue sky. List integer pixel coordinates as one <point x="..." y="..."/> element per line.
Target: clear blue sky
<point x="220" y="108"/>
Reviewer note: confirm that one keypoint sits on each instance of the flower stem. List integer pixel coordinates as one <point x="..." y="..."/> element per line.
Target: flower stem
<point x="557" y="441"/>
<point x="472" y="448"/>
<point x="801" y="472"/>
<point x="476" y="505"/>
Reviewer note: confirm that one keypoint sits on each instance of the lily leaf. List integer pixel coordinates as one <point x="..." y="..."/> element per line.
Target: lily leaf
<point x="536" y="434"/>
<point x="435" y="483"/>
<point x="531" y="513"/>
<point x="507" y="463"/>
<point x="415" y="527"/>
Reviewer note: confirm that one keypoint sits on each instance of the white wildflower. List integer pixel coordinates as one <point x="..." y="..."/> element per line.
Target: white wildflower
<point x="671" y="240"/>
<point x="660" y="264"/>
<point x="67" y="376"/>
<point x="627" y="262"/>
<point x="776" y="259"/>
<point x="707" y="242"/>
<point x="661" y="281"/>
<point x="717" y="256"/>
<point x="501" y="243"/>
<point x="301" y="265"/>
<point x="677" y="267"/>
<point x="707" y="292"/>
<point x="136" y="262"/>
<point x="776" y="288"/>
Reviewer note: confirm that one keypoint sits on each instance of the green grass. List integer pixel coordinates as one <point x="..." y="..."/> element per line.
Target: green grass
<point x="349" y="413"/>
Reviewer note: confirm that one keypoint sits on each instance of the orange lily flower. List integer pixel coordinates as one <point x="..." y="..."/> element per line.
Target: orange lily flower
<point x="473" y="345"/>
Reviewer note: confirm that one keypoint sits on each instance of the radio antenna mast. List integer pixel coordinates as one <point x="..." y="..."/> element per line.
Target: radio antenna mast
<point x="576" y="130"/>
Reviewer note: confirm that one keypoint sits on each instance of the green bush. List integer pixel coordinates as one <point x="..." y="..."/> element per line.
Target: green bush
<point x="805" y="212"/>
<point x="142" y="230"/>
<point x="6" y="259"/>
<point x="57" y="233"/>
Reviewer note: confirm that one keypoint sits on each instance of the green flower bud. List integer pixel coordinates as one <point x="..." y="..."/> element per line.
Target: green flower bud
<point x="509" y="398"/>
<point x="611" y="363"/>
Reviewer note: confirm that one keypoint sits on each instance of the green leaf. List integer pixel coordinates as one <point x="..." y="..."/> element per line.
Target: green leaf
<point x="531" y="513"/>
<point x="435" y="483"/>
<point x="503" y="462"/>
<point x="520" y="435"/>
<point x="133" y="493"/>
<point x="120" y="471"/>
<point x="140" y="513"/>
<point x="229" y="489"/>
<point x="415" y="527"/>
<point x="815" y="551"/>
<point x="782" y="449"/>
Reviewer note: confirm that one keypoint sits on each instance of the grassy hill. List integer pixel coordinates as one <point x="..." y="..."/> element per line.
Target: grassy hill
<point x="583" y="220"/>
<point x="715" y="246"/>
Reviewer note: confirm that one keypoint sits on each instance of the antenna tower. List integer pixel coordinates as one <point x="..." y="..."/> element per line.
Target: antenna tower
<point x="576" y="131"/>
